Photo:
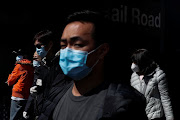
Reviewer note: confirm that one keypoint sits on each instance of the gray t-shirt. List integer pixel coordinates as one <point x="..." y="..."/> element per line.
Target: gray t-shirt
<point x="87" y="107"/>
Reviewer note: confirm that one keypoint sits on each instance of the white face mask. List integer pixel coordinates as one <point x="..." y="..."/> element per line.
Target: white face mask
<point x="36" y="63"/>
<point x="134" y="67"/>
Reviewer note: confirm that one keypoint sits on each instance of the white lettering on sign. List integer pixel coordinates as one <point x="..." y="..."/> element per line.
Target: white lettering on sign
<point x="144" y="19"/>
<point x="126" y="14"/>
<point x="119" y="14"/>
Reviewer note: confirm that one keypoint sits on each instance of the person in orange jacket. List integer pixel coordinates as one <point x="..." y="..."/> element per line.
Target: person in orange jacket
<point x="21" y="79"/>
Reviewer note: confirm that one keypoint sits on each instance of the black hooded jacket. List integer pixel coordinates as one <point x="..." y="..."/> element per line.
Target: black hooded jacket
<point x="47" y="74"/>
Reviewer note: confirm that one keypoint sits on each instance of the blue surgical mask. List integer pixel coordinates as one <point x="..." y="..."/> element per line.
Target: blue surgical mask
<point x="73" y="63"/>
<point x="41" y="52"/>
<point x="36" y="63"/>
<point x="19" y="57"/>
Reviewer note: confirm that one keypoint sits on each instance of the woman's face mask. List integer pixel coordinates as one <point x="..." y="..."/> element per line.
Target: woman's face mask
<point x="73" y="63"/>
<point x="19" y="57"/>
<point x="134" y="67"/>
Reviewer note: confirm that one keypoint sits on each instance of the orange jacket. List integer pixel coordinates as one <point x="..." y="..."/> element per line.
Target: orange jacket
<point x="22" y="78"/>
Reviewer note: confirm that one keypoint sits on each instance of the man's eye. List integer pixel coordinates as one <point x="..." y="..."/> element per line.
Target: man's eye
<point x="78" y="45"/>
<point x="63" y="46"/>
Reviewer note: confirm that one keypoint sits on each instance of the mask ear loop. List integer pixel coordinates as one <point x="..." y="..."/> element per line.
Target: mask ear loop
<point x="47" y="50"/>
<point x="95" y="64"/>
<point x="50" y="47"/>
<point x="94" y="50"/>
<point x="97" y="60"/>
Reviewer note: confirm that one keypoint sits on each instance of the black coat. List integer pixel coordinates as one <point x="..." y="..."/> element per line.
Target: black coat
<point x="47" y="74"/>
<point x="122" y="102"/>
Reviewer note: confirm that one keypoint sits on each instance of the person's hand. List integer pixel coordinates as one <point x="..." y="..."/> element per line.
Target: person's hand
<point x="25" y="115"/>
<point x="33" y="89"/>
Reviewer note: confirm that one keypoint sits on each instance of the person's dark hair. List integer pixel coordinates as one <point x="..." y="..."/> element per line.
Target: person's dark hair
<point x="144" y="59"/>
<point x="44" y="37"/>
<point x="25" y="52"/>
<point x="101" y="31"/>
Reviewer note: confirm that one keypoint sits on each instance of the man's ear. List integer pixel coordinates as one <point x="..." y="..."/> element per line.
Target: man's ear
<point x="50" y="44"/>
<point x="103" y="51"/>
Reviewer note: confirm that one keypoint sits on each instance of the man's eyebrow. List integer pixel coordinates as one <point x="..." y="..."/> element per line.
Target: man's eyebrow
<point x="72" y="39"/>
<point x="63" y="40"/>
<point x="76" y="38"/>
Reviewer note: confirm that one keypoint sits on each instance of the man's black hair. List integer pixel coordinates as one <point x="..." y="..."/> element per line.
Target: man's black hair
<point x="101" y="24"/>
<point x="44" y="37"/>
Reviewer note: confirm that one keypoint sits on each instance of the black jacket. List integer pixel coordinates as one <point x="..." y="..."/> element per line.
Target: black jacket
<point x="122" y="102"/>
<point x="47" y="74"/>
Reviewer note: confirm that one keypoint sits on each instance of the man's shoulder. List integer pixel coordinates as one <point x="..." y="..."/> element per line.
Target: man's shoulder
<point x="123" y="101"/>
<point x="125" y="93"/>
<point x="124" y="90"/>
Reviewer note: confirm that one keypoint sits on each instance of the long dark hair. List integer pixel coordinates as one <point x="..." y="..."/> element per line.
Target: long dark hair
<point x="144" y="59"/>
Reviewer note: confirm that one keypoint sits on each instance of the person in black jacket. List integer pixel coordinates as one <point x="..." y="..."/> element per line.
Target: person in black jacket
<point x="46" y="69"/>
<point x="91" y="95"/>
